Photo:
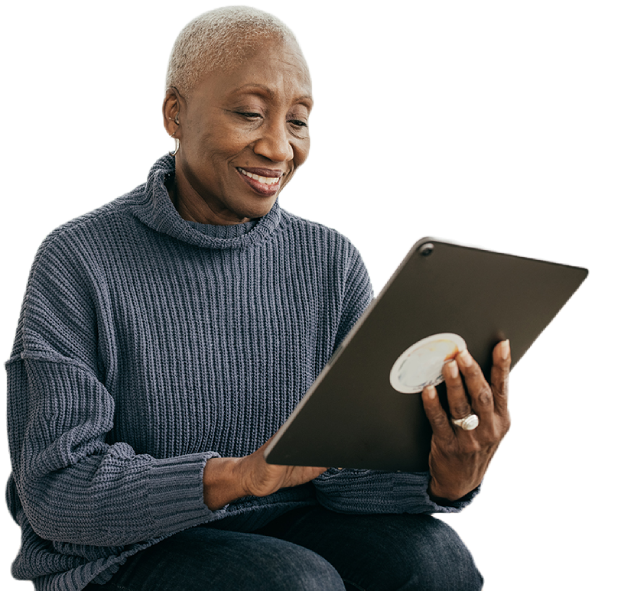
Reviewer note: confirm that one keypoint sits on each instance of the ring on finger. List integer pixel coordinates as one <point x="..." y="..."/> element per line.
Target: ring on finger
<point x="468" y="423"/>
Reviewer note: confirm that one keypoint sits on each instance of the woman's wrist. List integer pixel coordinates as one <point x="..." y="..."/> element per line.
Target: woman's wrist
<point x="443" y="496"/>
<point x="221" y="482"/>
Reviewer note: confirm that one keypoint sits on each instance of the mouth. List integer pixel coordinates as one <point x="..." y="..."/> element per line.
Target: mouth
<point x="266" y="186"/>
<point x="263" y="181"/>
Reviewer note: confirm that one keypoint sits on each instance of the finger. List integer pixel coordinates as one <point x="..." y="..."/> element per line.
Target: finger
<point x="500" y="375"/>
<point x="437" y="417"/>
<point x="481" y="398"/>
<point x="459" y="405"/>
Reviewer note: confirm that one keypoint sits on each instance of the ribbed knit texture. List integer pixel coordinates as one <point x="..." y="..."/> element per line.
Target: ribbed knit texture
<point x="148" y="345"/>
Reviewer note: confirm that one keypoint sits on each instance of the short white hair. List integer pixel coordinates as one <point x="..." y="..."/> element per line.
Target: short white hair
<point x="219" y="39"/>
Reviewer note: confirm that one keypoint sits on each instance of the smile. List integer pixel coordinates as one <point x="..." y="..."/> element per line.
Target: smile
<point x="262" y="179"/>
<point x="265" y="186"/>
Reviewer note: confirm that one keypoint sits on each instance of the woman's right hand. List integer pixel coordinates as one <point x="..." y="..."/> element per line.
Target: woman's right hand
<point x="228" y="479"/>
<point x="261" y="479"/>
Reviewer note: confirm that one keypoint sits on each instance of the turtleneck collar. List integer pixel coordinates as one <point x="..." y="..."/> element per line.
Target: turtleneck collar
<point x="152" y="205"/>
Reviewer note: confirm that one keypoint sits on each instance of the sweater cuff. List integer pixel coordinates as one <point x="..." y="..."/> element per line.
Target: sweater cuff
<point x="175" y="492"/>
<point x="450" y="506"/>
<point x="370" y="491"/>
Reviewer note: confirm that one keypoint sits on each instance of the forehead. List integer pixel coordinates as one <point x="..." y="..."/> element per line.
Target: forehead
<point x="274" y="68"/>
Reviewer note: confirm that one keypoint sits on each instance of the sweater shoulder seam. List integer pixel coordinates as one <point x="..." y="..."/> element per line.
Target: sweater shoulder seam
<point x="48" y="357"/>
<point x="60" y="233"/>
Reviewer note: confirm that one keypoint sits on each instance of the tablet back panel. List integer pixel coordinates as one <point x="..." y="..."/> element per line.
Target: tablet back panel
<point x="352" y="417"/>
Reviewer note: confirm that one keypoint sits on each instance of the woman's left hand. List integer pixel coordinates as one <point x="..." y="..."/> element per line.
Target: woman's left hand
<point x="459" y="459"/>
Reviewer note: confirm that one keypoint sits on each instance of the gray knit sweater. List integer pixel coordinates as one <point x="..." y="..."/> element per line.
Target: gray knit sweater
<point x="147" y="345"/>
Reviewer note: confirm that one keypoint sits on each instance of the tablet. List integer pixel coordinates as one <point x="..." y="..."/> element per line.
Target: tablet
<point x="365" y="410"/>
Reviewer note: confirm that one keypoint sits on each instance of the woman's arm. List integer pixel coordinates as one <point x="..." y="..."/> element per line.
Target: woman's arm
<point x="68" y="481"/>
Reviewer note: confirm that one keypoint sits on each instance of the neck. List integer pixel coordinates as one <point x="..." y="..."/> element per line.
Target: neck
<point x="193" y="208"/>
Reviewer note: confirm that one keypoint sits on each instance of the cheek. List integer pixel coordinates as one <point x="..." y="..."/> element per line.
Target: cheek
<point x="218" y="141"/>
<point x="301" y="151"/>
<point x="216" y="151"/>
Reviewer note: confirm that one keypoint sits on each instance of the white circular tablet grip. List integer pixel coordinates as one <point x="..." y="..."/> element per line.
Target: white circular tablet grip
<point x="421" y="364"/>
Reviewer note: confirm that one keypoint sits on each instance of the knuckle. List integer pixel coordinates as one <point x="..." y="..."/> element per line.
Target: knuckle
<point x="476" y="447"/>
<point x="471" y="370"/>
<point x="454" y="382"/>
<point x="461" y="409"/>
<point x="472" y="447"/>
<point x="437" y="420"/>
<point x="485" y="397"/>
<point x="496" y="380"/>
<point x="502" y="383"/>
<point x="436" y="416"/>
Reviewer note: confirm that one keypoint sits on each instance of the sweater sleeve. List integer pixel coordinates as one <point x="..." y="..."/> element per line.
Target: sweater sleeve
<point x="373" y="491"/>
<point x="67" y="481"/>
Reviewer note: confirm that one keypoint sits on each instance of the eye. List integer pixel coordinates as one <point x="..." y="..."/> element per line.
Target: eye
<point x="250" y="116"/>
<point x="298" y="123"/>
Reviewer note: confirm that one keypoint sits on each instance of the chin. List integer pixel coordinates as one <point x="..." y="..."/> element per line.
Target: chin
<point x="257" y="209"/>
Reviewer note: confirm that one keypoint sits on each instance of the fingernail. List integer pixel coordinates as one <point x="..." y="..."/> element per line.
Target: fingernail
<point x="430" y="392"/>
<point x="453" y="369"/>
<point x="466" y="358"/>
<point x="505" y="349"/>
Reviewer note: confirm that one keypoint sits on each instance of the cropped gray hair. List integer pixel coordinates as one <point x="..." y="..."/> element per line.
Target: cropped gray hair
<point x="219" y="39"/>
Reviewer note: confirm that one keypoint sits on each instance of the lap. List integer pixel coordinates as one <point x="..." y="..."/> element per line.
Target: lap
<point x="379" y="552"/>
<point x="308" y="549"/>
<point x="204" y="558"/>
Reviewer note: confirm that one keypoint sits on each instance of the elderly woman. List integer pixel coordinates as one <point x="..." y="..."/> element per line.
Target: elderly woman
<point x="165" y="337"/>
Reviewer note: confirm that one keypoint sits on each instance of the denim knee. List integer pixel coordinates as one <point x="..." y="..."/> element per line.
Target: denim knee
<point x="444" y="563"/>
<point x="203" y="558"/>
<point x="413" y="553"/>
<point x="388" y="551"/>
<point x="305" y="571"/>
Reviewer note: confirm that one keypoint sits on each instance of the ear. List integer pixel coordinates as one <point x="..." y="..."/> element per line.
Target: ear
<point x="171" y="110"/>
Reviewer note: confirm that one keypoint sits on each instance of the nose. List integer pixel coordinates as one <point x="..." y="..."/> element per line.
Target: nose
<point x="274" y="143"/>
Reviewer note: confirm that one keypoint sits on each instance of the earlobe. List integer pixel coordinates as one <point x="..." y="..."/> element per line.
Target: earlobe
<point x="171" y="109"/>
<point x="176" y="120"/>
<point x="172" y="135"/>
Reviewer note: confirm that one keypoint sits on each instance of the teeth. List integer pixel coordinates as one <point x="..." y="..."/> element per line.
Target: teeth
<point x="271" y="180"/>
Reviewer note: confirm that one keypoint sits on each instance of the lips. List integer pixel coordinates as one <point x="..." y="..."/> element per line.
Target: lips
<point x="264" y="181"/>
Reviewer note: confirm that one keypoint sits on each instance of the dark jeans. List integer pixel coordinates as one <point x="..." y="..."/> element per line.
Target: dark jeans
<point x="307" y="549"/>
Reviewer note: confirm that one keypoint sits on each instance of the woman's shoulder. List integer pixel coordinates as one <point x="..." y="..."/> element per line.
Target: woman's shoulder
<point x="83" y="240"/>
<point x="98" y="219"/>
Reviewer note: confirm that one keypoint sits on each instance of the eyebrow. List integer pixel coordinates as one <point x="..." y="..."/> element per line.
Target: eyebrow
<point x="248" y="89"/>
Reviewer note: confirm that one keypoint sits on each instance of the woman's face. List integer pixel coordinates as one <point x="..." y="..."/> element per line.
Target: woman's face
<point x="243" y="133"/>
